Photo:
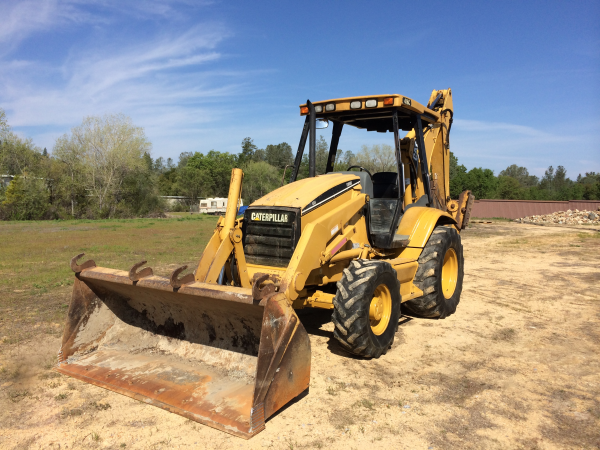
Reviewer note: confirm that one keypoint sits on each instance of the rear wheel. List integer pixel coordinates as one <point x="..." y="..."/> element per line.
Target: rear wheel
<point x="440" y="275"/>
<point x="367" y="308"/>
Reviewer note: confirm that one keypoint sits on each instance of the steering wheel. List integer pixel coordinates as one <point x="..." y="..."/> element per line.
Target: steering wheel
<point x="361" y="168"/>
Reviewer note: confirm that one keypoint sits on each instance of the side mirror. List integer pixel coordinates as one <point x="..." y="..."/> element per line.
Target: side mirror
<point x="322" y="123"/>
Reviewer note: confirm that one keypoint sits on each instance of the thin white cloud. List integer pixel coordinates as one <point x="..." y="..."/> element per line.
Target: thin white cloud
<point x="497" y="145"/>
<point x="22" y="18"/>
<point x="144" y="9"/>
<point x="135" y="77"/>
<point x="97" y="74"/>
<point x="171" y="84"/>
<point x="501" y="127"/>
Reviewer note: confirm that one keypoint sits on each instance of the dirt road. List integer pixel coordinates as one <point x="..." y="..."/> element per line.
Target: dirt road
<point x="517" y="366"/>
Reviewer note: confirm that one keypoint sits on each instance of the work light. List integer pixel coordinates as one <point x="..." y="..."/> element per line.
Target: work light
<point x="356" y="104"/>
<point x="371" y="103"/>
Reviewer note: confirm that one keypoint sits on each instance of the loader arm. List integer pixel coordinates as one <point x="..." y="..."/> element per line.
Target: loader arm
<point x="225" y="240"/>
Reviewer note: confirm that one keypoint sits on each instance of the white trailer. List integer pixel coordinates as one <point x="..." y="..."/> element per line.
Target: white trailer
<point x="214" y="205"/>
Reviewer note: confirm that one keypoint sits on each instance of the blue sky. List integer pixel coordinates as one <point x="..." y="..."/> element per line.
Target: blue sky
<point x="203" y="75"/>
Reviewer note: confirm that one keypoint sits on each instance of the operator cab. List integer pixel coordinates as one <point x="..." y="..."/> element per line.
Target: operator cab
<point x="386" y="190"/>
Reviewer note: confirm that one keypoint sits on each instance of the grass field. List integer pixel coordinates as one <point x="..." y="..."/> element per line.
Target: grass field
<point x="35" y="276"/>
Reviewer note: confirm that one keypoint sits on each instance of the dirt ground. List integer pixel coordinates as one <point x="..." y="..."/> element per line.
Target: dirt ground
<point x="517" y="366"/>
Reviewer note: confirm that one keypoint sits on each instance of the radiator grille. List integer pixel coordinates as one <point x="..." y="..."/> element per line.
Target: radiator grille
<point x="271" y="241"/>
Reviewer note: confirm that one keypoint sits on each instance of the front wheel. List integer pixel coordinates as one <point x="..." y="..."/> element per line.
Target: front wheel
<point x="440" y="275"/>
<point x="367" y="308"/>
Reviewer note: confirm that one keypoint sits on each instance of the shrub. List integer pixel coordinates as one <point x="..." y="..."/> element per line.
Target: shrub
<point x="25" y="198"/>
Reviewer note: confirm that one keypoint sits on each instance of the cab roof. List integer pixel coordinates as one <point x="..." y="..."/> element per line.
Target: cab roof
<point x="375" y="117"/>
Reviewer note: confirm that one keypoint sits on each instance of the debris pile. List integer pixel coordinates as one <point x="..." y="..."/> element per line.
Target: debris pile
<point x="567" y="217"/>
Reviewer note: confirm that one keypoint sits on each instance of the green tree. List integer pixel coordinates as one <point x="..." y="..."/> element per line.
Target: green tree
<point x="377" y="158"/>
<point x="17" y="156"/>
<point x="590" y="185"/>
<point x="279" y="155"/>
<point x="168" y="172"/>
<point x="138" y="195"/>
<point x="195" y="183"/>
<point x="218" y="166"/>
<point x="260" y="178"/>
<point x="4" y="128"/>
<point x="521" y="174"/>
<point x="184" y="158"/>
<point x="343" y="160"/>
<point x="458" y="174"/>
<point x="167" y="182"/>
<point x="346" y="159"/>
<point x="322" y="153"/>
<point x="71" y="180"/>
<point x="248" y="150"/>
<point x="259" y="155"/>
<point x="555" y="185"/>
<point x="112" y="148"/>
<point x="481" y="182"/>
<point x="161" y="165"/>
<point x="508" y="188"/>
<point x="26" y="198"/>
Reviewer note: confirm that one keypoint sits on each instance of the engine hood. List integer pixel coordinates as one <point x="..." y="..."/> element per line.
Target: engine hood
<point x="309" y="193"/>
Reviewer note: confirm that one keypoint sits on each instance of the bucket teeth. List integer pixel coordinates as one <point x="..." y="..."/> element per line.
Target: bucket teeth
<point x="134" y="275"/>
<point x="177" y="282"/>
<point x="77" y="268"/>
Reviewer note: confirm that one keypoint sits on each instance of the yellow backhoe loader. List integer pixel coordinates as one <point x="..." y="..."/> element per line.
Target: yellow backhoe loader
<point x="223" y="346"/>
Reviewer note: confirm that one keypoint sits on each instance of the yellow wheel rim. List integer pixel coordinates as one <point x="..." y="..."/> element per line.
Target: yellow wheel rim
<point x="380" y="309"/>
<point x="449" y="273"/>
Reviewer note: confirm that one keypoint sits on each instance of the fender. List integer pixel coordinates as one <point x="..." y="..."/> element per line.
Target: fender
<point x="418" y="223"/>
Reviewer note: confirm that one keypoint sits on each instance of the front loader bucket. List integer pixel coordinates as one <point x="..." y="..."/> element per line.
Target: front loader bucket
<point x="210" y="353"/>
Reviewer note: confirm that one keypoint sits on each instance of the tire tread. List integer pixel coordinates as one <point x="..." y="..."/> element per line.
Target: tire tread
<point x="351" y="307"/>
<point x="433" y="303"/>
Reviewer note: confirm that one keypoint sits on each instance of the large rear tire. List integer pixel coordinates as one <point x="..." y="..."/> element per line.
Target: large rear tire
<point x="367" y="308"/>
<point x="440" y="275"/>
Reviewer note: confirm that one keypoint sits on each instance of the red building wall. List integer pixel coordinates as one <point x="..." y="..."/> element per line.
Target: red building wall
<point x="515" y="209"/>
